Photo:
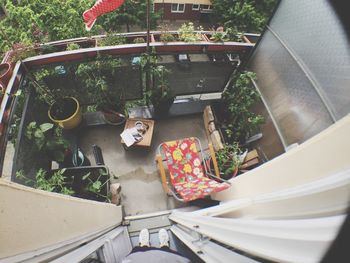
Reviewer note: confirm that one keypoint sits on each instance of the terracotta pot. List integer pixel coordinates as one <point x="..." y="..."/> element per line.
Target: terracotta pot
<point x="5" y="73"/>
<point x="2" y="90"/>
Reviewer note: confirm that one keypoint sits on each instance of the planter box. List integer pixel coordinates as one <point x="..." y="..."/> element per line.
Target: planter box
<point x="76" y="174"/>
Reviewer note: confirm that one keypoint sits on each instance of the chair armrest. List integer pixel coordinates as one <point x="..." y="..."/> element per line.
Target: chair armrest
<point x="162" y="173"/>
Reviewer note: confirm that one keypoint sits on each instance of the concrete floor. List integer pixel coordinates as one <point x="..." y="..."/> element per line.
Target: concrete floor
<point x="136" y="169"/>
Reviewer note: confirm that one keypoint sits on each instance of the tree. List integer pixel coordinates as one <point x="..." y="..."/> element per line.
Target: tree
<point x="243" y="15"/>
<point x="41" y="21"/>
<point x="131" y="13"/>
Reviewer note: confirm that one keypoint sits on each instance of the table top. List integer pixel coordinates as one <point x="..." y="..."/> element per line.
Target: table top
<point x="147" y="137"/>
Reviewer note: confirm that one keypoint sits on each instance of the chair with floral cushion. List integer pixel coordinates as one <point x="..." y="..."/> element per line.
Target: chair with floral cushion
<point x="189" y="177"/>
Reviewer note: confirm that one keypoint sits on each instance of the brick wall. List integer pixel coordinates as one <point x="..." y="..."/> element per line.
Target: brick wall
<point x="188" y="14"/>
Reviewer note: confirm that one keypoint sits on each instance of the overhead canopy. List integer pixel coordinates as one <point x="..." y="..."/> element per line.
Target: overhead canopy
<point x="195" y="2"/>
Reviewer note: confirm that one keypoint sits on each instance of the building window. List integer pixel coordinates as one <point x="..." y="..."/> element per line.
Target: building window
<point x="195" y="7"/>
<point x="206" y="8"/>
<point x="177" y="8"/>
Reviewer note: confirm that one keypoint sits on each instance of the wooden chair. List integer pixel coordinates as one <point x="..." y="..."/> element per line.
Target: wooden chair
<point x="189" y="177"/>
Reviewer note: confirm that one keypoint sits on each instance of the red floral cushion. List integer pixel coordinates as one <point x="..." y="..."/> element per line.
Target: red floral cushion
<point x="186" y="170"/>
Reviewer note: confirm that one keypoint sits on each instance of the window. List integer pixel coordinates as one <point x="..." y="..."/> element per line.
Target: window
<point x="195" y="7"/>
<point x="177" y="8"/>
<point x="206" y="8"/>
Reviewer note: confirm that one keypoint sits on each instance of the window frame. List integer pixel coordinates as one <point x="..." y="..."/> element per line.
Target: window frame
<point x="178" y="8"/>
<point x="197" y="8"/>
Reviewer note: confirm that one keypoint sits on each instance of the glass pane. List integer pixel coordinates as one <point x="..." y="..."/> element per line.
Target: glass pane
<point x="181" y="7"/>
<point x="173" y="7"/>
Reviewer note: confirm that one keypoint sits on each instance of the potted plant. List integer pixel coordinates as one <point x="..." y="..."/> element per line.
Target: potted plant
<point x="160" y="94"/>
<point x="111" y="39"/>
<point x="139" y="40"/>
<point x="88" y="182"/>
<point x="5" y="73"/>
<point x="165" y="35"/>
<point x="218" y="36"/>
<point x="187" y="33"/>
<point x="72" y="46"/>
<point x="63" y="110"/>
<point x="48" y="139"/>
<point x="228" y="159"/>
<point x="97" y="77"/>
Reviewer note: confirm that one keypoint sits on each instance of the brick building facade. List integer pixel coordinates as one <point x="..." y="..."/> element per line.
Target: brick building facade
<point x="193" y="10"/>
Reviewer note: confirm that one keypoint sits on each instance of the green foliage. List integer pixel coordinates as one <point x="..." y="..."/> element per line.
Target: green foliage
<point x="138" y="40"/>
<point x="72" y="46"/>
<point x="42" y="21"/>
<point x="187" y="33"/>
<point x="219" y="36"/>
<point x="112" y="39"/>
<point x="97" y="79"/>
<point x="238" y="100"/>
<point x="131" y="13"/>
<point x="165" y="35"/>
<point x="96" y="186"/>
<point x="160" y="90"/>
<point x="228" y="160"/>
<point x="31" y="22"/>
<point x="47" y="138"/>
<point x="22" y="51"/>
<point x="245" y="16"/>
<point x="47" y="95"/>
<point x="55" y="183"/>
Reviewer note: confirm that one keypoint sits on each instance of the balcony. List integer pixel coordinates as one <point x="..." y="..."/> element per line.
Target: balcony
<point x="195" y="83"/>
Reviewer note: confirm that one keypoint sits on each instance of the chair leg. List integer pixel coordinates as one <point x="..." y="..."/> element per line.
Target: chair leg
<point x="215" y="163"/>
<point x="162" y="173"/>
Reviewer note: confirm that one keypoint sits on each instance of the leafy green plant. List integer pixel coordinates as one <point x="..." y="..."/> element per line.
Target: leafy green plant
<point x="228" y="160"/>
<point x="160" y="90"/>
<point x="112" y="39"/>
<point x="233" y="34"/>
<point x="56" y="183"/>
<point x="240" y="121"/>
<point x="47" y="138"/>
<point x="165" y="35"/>
<point x="139" y="40"/>
<point x="187" y="33"/>
<point x="245" y="16"/>
<point x="96" y="186"/>
<point x="22" y="51"/>
<point x="72" y="46"/>
<point x="219" y="36"/>
<point x="97" y="79"/>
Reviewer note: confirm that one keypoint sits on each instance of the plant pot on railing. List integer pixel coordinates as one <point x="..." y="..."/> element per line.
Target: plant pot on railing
<point x="5" y="73"/>
<point x="66" y="112"/>
<point x="2" y="90"/>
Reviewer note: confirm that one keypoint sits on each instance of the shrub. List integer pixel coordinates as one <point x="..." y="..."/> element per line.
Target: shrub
<point x="72" y="46"/>
<point x="138" y="40"/>
<point x="187" y="33"/>
<point x="238" y="100"/>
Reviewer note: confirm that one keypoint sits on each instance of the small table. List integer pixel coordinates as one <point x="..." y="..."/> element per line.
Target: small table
<point x="147" y="136"/>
